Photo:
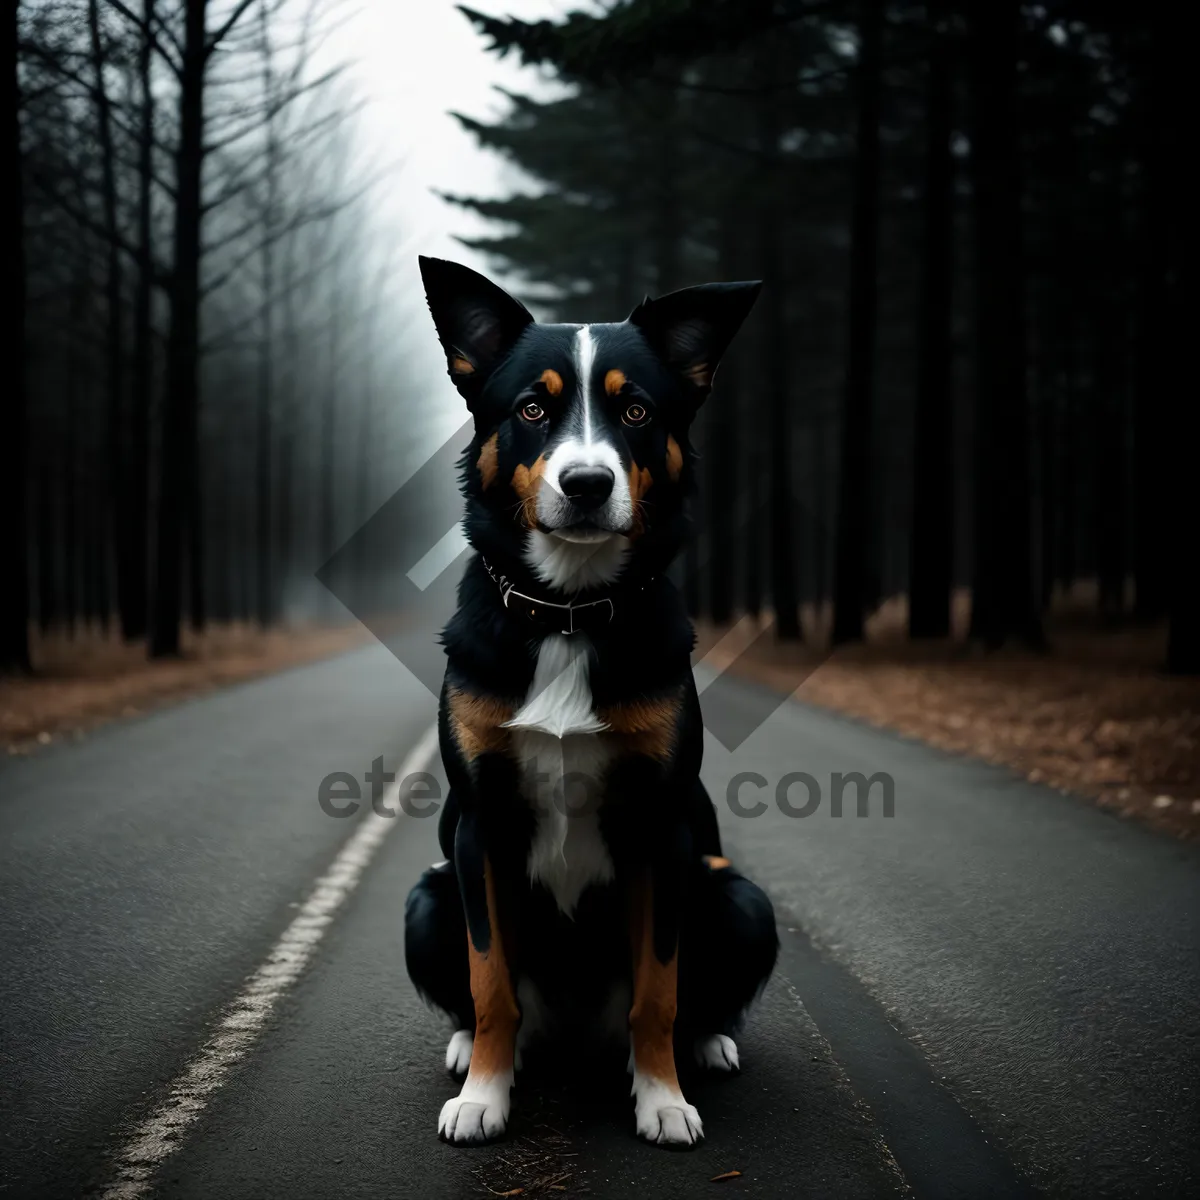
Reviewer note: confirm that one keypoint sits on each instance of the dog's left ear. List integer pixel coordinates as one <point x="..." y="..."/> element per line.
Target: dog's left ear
<point x="477" y="322"/>
<point x="691" y="329"/>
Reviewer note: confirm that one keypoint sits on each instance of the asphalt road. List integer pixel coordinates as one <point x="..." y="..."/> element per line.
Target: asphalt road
<point x="993" y="992"/>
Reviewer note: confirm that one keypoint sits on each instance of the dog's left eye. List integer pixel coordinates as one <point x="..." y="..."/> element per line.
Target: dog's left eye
<point x="533" y="411"/>
<point x="635" y="414"/>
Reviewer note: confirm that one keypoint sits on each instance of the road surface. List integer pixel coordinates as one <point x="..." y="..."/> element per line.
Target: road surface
<point x="995" y="991"/>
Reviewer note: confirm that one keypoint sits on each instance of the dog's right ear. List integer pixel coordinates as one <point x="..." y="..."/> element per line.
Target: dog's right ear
<point x="477" y="322"/>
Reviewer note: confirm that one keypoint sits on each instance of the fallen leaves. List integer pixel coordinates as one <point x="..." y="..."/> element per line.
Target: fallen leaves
<point x="1094" y="717"/>
<point x="725" y="1176"/>
<point x="84" y="681"/>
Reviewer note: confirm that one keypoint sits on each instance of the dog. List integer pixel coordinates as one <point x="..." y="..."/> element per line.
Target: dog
<point x="584" y="885"/>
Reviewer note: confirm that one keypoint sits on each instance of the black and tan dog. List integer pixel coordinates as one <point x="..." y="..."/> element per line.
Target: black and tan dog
<point x="584" y="885"/>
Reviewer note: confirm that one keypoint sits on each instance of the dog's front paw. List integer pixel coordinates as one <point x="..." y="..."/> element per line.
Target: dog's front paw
<point x="716" y="1052"/>
<point x="663" y="1116"/>
<point x="479" y="1113"/>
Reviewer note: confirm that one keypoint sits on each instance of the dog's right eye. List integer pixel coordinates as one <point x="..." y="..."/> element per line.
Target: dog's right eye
<point x="533" y="411"/>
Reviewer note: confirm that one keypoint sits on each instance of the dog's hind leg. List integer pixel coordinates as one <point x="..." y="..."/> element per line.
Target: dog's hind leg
<point x="535" y="1018"/>
<point x="727" y="954"/>
<point x="434" y="950"/>
<point x="435" y="935"/>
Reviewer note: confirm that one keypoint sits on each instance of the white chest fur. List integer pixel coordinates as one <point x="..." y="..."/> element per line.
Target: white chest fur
<point x="563" y="760"/>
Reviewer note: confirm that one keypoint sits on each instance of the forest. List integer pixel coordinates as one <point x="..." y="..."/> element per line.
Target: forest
<point x="960" y="379"/>
<point x="961" y="374"/>
<point x="194" y="413"/>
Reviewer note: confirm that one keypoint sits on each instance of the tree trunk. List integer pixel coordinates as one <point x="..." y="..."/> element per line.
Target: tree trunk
<point x="288" y="418"/>
<point x="932" y="538"/>
<point x="72" y="478"/>
<point x="223" y="565"/>
<point x="364" y="476"/>
<point x="1152" y="384"/>
<point x="722" y="488"/>
<point x="264" y="591"/>
<point x="749" y="500"/>
<point x="284" y="520"/>
<point x="326" y="524"/>
<point x="116" y="473"/>
<point x="849" y="582"/>
<point x="14" y="595"/>
<point x="1172" y="63"/>
<point x="47" y="541"/>
<point x="197" y="534"/>
<point x="779" y="513"/>
<point x="666" y="220"/>
<point x="134" y="611"/>
<point x="1069" y="487"/>
<point x="179" y="460"/>
<point x="666" y="215"/>
<point x="1111" y="433"/>
<point x="1058" y="443"/>
<point x="626" y="252"/>
<point x="1003" y="603"/>
<point x="1048" y="491"/>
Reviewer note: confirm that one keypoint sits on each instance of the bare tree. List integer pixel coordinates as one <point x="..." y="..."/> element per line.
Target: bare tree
<point x="14" y="604"/>
<point x="1004" y="602"/>
<point x="932" y="529"/>
<point x="849" y="584"/>
<point x="180" y="509"/>
<point x="265" y="591"/>
<point x="119" y="505"/>
<point x="134" y="604"/>
<point x="781" y="547"/>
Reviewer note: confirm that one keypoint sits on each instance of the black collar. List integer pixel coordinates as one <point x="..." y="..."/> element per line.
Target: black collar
<point x="551" y="616"/>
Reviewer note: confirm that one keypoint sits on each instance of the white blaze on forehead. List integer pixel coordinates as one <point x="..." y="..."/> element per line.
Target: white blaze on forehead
<point x="580" y="447"/>
<point x="585" y="360"/>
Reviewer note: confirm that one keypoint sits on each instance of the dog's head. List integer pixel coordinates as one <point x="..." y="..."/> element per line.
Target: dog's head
<point x="580" y="461"/>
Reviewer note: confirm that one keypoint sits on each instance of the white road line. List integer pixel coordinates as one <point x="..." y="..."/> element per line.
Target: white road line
<point x="164" y="1131"/>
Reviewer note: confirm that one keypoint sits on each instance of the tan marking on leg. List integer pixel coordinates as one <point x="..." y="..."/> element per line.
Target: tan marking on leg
<point x="489" y="460"/>
<point x="525" y="482"/>
<point x="652" y="1017"/>
<point x="614" y="381"/>
<point x="476" y="723"/>
<point x="715" y="862"/>
<point x="496" y="1012"/>
<point x="460" y="366"/>
<point x="647" y="726"/>
<point x="674" y="459"/>
<point x="552" y="381"/>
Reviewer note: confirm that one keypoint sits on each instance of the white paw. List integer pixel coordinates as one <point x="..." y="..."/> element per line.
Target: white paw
<point x="662" y="1115"/>
<point x="717" y="1053"/>
<point x="478" y="1113"/>
<point x="458" y="1052"/>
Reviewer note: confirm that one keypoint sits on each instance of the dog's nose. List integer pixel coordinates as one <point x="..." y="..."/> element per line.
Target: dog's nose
<point x="586" y="487"/>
